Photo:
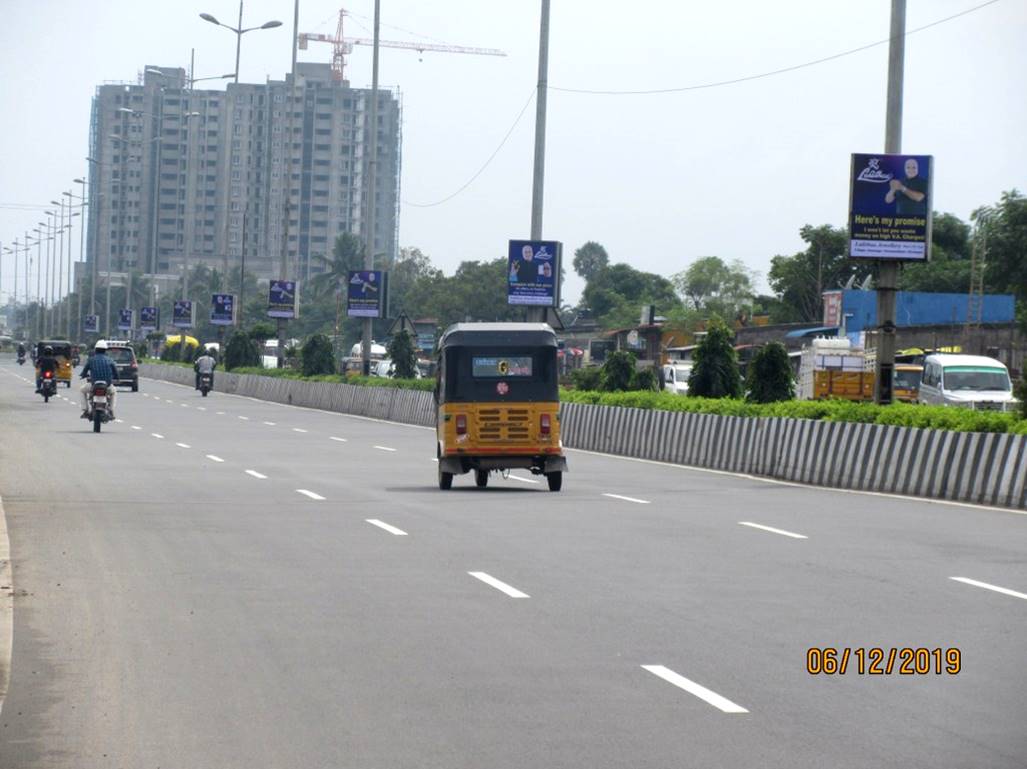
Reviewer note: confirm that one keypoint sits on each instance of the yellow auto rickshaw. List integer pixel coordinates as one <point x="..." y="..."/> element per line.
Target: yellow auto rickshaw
<point x="63" y="353"/>
<point x="497" y="402"/>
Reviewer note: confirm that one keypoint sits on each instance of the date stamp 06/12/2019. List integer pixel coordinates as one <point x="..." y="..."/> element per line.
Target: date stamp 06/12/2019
<point x="880" y="661"/>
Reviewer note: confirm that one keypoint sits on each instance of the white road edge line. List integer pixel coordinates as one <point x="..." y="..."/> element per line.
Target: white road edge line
<point x="156" y="435"/>
<point x="201" y="408"/>
<point x="311" y="494"/>
<point x="214" y="458"/>
<point x="387" y="527"/>
<point x="782" y="532"/>
<point x="384" y="448"/>
<point x="513" y="477"/>
<point x="255" y="474"/>
<point x="986" y="586"/>
<point x="501" y="586"/>
<point x="335" y="438"/>
<point x="628" y="499"/>
<point x="184" y="445"/>
<point x="714" y="699"/>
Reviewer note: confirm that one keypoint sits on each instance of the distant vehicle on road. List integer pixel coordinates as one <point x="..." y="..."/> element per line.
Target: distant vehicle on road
<point x="120" y="351"/>
<point x="675" y="377"/>
<point x="906" y="382"/>
<point x="970" y="381"/>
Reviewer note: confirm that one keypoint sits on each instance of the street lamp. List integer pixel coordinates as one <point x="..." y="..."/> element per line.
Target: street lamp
<point x="239" y="32"/>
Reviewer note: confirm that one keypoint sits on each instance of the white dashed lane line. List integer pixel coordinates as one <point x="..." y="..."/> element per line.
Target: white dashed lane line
<point x="270" y="424"/>
<point x="387" y="527"/>
<point x="183" y="445"/>
<point x="384" y="448"/>
<point x="201" y="408"/>
<point x="501" y="586"/>
<point x="336" y="438"/>
<point x="156" y="435"/>
<point x="714" y="699"/>
<point x="255" y="474"/>
<point x="310" y="494"/>
<point x="771" y="529"/>
<point x="513" y="477"/>
<point x="298" y="430"/>
<point x="986" y="586"/>
<point x="214" y="458"/>
<point x="245" y="419"/>
<point x="219" y="413"/>
<point x="136" y="427"/>
<point x="628" y="499"/>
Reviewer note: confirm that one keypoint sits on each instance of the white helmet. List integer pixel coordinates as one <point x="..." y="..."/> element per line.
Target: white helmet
<point x="101" y="346"/>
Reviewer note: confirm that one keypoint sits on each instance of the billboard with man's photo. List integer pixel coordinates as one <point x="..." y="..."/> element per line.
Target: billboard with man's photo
<point x="533" y="273"/>
<point x="890" y="207"/>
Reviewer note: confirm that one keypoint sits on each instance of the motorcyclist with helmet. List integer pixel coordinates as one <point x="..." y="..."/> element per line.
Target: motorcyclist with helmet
<point x="99" y="368"/>
<point x="45" y="362"/>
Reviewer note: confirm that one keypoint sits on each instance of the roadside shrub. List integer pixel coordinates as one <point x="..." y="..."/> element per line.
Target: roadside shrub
<point x="646" y="379"/>
<point x="241" y="351"/>
<point x="618" y="371"/>
<point x="403" y="356"/>
<point x="170" y="353"/>
<point x="715" y="373"/>
<point x="587" y="378"/>
<point x="318" y="356"/>
<point x="262" y="331"/>
<point x="1020" y="391"/>
<point x="770" y="375"/>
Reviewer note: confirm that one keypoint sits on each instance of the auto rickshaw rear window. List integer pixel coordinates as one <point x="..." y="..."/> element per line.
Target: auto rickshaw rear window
<point x="507" y="366"/>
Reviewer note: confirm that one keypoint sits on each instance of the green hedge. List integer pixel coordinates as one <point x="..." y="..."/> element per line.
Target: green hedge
<point x="359" y="381"/>
<point x="902" y="414"/>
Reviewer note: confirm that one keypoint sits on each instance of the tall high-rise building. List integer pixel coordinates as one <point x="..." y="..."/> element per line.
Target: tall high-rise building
<point x="246" y="175"/>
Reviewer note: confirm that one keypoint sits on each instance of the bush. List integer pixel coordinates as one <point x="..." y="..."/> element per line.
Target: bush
<point x="646" y="379"/>
<point x="587" y="378"/>
<point x="170" y="353"/>
<point x="715" y="373"/>
<point x="318" y="356"/>
<point x="241" y="351"/>
<point x="770" y="375"/>
<point x="404" y="357"/>
<point x="262" y="331"/>
<point x="1020" y="390"/>
<point x="618" y="371"/>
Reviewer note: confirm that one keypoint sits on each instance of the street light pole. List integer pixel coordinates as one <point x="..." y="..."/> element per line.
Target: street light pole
<point x="67" y="309"/>
<point x="538" y="314"/>
<point x="372" y="169"/>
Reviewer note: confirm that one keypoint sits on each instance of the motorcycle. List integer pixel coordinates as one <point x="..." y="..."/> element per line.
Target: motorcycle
<point x="47" y="386"/>
<point x="21" y="359"/>
<point x="206" y="384"/>
<point x="99" y="405"/>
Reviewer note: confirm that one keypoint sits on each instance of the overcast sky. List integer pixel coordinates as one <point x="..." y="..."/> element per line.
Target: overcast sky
<point x="658" y="179"/>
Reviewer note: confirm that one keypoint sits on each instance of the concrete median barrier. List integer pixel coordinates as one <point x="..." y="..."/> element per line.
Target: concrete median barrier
<point x="984" y="468"/>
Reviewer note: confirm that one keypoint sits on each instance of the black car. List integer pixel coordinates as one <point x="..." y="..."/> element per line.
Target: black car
<point x="128" y="368"/>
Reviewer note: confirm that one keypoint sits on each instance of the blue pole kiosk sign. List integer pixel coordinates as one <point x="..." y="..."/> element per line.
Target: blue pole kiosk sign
<point x="367" y="294"/>
<point x="182" y="314"/>
<point x="890" y="207"/>
<point x="533" y="273"/>
<point x="222" y="309"/>
<point x="283" y="299"/>
<point x="126" y="320"/>
<point x="91" y="324"/>
<point x="149" y="318"/>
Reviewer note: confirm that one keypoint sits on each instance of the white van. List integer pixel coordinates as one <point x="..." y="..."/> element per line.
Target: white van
<point x="675" y="377"/>
<point x="971" y="381"/>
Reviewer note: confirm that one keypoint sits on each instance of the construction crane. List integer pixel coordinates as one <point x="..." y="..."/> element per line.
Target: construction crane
<point x="344" y="46"/>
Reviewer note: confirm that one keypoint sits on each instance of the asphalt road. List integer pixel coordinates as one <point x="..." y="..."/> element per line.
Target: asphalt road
<point x="199" y="586"/>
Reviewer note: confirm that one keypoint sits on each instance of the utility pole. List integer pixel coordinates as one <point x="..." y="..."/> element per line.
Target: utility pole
<point x="372" y="170"/>
<point x="888" y="271"/>
<point x="284" y="266"/>
<point x="538" y="314"/>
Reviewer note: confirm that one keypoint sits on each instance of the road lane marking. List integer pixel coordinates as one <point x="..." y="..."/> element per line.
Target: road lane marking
<point x="214" y="458"/>
<point x="518" y="478"/>
<point x="387" y="527"/>
<point x="270" y="424"/>
<point x="255" y="474"/>
<point x="245" y="419"/>
<point x="119" y="421"/>
<point x="501" y="586"/>
<point x="434" y="459"/>
<point x="136" y="427"/>
<point x="782" y="532"/>
<point x="184" y="405"/>
<point x="384" y="448"/>
<point x="986" y="586"/>
<point x="336" y="438"/>
<point x="628" y="499"/>
<point x="219" y="412"/>
<point x="201" y="408"/>
<point x="184" y="445"/>
<point x="714" y="699"/>
<point x="156" y="435"/>
<point x="310" y="494"/>
<point x="298" y="430"/>
<point x="167" y="401"/>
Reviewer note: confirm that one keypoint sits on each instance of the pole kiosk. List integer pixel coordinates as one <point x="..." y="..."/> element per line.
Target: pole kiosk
<point x="888" y="270"/>
<point x="538" y="314"/>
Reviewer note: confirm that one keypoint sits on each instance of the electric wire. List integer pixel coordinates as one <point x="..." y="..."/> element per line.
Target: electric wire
<point x="481" y="170"/>
<point x="772" y="73"/>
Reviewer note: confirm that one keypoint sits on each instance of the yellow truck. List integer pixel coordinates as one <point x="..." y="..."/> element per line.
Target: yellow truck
<point x="832" y="368"/>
